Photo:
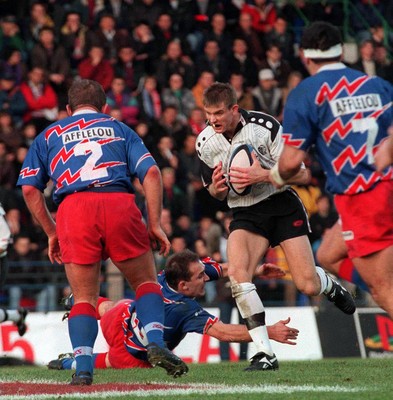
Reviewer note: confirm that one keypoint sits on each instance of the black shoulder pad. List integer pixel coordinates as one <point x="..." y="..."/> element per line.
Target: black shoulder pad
<point x="263" y="119"/>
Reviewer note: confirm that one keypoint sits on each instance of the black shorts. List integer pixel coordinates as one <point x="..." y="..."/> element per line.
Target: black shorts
<point x="278" y="218"/>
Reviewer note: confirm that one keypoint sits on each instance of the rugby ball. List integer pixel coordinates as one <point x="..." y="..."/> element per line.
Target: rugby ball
<point x="240" y="157"/>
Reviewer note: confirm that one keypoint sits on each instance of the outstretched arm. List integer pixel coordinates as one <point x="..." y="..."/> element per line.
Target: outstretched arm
<point x="279" y="332"/>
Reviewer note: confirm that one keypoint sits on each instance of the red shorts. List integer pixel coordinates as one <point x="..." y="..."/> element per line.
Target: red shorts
<point x="367" y="219"/>
<point x="94" y="226"/>
<point x="112" y="329"/>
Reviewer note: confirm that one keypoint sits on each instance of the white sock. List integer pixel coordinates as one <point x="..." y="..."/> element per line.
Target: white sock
<point x="249" y="303"/>
<point x="326" y="281"/>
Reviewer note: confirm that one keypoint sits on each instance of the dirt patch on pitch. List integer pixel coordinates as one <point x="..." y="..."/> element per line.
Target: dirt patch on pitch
<point x="30" y="389"/>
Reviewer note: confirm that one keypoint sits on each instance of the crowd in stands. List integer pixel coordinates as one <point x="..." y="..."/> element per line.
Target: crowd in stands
<point x="154" y="59"/>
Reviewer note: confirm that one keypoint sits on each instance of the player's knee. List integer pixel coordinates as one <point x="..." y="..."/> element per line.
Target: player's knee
<point x="241" y="289"/>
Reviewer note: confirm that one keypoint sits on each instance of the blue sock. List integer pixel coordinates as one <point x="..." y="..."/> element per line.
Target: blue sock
<point x="83" y="330"/>
<point x="150" y="309"/>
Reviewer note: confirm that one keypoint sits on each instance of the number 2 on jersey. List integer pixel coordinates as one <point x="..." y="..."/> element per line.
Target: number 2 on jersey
<point x="88" y="171"/>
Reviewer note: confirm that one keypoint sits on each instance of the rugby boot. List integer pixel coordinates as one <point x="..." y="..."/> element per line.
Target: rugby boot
<point x="262" y="362"/>
<point x="58" y="363"/>
<point x="84" y="378"/>
<point x="341" y="298"/>
<point x="162" y="357"/>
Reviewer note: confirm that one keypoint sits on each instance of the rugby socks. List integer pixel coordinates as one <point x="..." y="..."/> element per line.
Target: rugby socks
<point x="83" y="330"/>
<point x="9" y="315"/>
<point x="253" y="312"/>
<point x="98" y="361"/>
<point x="150" y="310"/>
<point x="326" y="280"/>
<point x="348" y="272"/>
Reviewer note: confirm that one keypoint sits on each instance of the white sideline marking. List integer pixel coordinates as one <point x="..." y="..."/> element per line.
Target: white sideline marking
<point x="202" y="389"/>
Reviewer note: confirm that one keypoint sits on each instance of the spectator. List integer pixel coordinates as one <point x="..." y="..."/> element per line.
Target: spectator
<point x="41" y="99"/>
<point x="218" y="32"/>
<point x="240" y="62"/>
<point x="149" y="98"/>
<point x="367" y="62"/>
<point x="52" y="57"/>
<point x="37" y="19"/>
<point x="144" y="43"/>
<point x="268" y="95"/>
<point x="73" y="35"/>
<point x="96" y="67"/>
<point x="194" y="185"/>
<point x="10" y="36"/>
<point x="119" y="97"/>
<point x="212" y="60"/>
<point x="149" y="10"/>
<point x="7" y="173"/>
<point x="197" y="121"/>
<point x="245" y="98"/>
<point x="179" y="96"/>
<point x="164" y="153"/>
<point x="263" y="13"/>
<point x="174" y="198"/>
<point x="275" y="61"/>
<point x="205" y="79"/>
<point x="171" y="125"/>
<point x="174" y="61"/>
<point x="247" y="32"/>
<point x="13" y="65"/>
<point x="128" y="67"/>
<point x="282" y="37"/>
<point x="11" y="99"/>
<point x="108" y="37"/>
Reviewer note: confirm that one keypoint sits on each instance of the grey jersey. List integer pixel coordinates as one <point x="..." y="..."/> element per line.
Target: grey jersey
<point x="263" y="133"/>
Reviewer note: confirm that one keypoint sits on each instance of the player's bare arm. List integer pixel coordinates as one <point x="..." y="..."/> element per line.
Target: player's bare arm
<point x="152" y="186"/>
<point x="279" y="332"/>
<point x="35" y="202"/>
<point x="218" y="188"/>
<point x="290" y="168"/>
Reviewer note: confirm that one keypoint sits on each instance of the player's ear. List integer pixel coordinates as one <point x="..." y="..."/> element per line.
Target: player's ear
<point x="68" y="109"/>
<point x="182" y="286"/>
<point x="105" y="109"/>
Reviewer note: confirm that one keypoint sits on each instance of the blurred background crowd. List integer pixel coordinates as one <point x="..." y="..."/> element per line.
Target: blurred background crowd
<point x="154" y="59"/>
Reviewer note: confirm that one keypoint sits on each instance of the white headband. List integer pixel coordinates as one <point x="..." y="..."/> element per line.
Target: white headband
<point x="332" y="52"/>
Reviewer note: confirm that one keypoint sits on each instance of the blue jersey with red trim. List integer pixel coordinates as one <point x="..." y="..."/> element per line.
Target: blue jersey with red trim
<point x="88" y="151"/>
<point x="346" y="115"/>
<point x="182" y="315"/>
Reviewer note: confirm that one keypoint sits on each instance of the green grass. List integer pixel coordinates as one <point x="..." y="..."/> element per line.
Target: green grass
<point x="369" y="379"/>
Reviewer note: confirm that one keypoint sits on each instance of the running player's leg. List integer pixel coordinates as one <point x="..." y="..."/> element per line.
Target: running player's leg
<point x="245" y="250"/>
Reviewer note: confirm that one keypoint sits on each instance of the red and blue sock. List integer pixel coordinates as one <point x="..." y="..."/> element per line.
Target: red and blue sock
<point x="83" y="330"/>
<point x="150" y="309"/>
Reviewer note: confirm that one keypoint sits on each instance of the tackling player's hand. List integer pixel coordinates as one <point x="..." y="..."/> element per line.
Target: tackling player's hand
<point x="269" y="271"/>
<point x="282" y="333"/>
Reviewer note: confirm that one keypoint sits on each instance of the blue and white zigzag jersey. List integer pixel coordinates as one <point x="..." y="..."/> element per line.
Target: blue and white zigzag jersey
<point x="345" y="114"/>
<point x="88" y="151"/>
<point x="182" y="315"/>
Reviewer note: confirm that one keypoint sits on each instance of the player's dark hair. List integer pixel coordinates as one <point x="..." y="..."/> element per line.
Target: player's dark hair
<point x="219" y="93"/>
<point x="86" y="92"/>
<point x="177" y="267"/>
<point x="321" y="35"/>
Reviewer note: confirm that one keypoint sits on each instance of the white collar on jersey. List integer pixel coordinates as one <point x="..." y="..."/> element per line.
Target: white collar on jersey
<point x="84" y="111"/>
<point x="332" y="67"/>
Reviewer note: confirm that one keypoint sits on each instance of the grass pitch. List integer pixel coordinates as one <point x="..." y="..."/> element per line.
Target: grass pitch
<point x="336" y="379"/>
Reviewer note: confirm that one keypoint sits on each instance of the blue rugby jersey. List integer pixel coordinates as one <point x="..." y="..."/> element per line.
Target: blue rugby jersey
<point x="345" y="114"/>
<point x="182" y="315"/>
<point x="88" y="151"/>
